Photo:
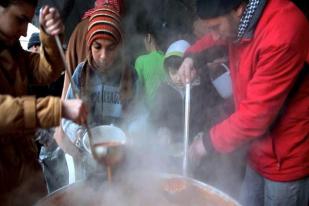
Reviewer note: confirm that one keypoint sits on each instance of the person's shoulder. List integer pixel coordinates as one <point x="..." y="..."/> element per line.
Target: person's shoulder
<point x="80" y="31"/>
<point x="157" y="55"/>
<point x="78" y="71"/>
<point x="290" y="16"/>
<point x="150" y="56"/>
<point x="82" y="25"/>
<point x="142" y="58"/>
<point x="17" y="51"/>
<point x="79" y="67"/>
<point x="283" y="22"/>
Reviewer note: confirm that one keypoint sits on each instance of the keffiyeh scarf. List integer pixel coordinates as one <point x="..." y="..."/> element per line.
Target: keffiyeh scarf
<point x="246" y="17"/>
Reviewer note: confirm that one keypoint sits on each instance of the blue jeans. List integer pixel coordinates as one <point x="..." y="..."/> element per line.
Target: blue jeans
<point x="259" y="191"/>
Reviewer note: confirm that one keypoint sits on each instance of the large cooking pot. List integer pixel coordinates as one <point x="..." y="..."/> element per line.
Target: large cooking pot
<point x="140" y="190"/>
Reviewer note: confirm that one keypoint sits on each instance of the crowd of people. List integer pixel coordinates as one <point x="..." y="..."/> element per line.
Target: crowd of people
<point x="246" y="62"/>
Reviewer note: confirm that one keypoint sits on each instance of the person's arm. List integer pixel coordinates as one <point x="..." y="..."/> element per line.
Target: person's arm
<point x="70" y="128"/>
<point x="76" y="53"/>
<point x="28" y="113"/>
<point x="277" y="69"/>
<point x="196" y="55"/>
<point x="22" y="114"/>
<point x="206" y="42"/>
<point x="46" y="67"/>
<point x="19" y="114"/>
<point x="139" y="67"/>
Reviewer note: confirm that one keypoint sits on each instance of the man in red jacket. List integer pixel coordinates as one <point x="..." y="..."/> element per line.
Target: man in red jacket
<point x="268" y="44"/>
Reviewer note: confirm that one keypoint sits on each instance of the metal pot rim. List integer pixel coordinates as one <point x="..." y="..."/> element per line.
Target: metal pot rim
<point x="194" y="182"/>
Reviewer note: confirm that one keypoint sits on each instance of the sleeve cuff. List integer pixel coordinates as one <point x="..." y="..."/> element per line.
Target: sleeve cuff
<point x="29" y="105"/>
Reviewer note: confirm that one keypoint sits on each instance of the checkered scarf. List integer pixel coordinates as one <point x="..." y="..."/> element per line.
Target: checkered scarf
<point x="246" y="17"/>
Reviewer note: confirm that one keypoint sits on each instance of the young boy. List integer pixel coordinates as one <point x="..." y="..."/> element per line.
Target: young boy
<point x="149" y="66"/>
<point x="21" y="178"/>
<point x="168" y="111"/>
<point x="167" y="114"/>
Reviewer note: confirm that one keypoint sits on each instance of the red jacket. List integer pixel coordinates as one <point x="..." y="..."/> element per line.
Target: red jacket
<point x="264" y="70"/>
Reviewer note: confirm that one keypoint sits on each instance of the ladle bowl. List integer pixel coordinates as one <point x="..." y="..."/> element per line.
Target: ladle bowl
<point x="108" y="144"/>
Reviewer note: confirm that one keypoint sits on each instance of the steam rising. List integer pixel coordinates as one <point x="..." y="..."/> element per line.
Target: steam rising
<point x="146" y="153"/>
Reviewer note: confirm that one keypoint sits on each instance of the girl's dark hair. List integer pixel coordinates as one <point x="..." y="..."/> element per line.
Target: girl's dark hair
<point x="6" y="3"/>
<point x="146" y="24"/>
<point x="173" y="63"/>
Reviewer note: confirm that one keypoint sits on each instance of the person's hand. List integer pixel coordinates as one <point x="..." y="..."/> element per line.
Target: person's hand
<point x="74" y="110"/>
<point x="186" y="71"/>
<point x="51" y="21"/>
<point x="197" y="150"/>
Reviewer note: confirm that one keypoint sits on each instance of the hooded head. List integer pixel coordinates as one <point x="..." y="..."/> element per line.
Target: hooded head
<point x="34" y="40"/>
<point x="173" y="59"/>
<point x="177" y="48"/>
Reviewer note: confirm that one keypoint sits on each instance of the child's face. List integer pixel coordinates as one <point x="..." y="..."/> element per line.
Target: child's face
<point x="35" y="48"/>
<point x="104" y="53"/>
<point x="174" y="75"/>
<point x="14" y="21"/>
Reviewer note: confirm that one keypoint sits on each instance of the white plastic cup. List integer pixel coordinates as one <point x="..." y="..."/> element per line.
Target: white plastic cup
<point x="223" y="83"/>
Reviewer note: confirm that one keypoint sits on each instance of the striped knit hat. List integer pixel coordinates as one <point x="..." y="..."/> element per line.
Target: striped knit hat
<point x="117" y="4"/>
<point x="104" y="23"/>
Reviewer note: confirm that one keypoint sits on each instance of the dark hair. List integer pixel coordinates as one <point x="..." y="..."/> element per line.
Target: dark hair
<point x="6" y="3"/>
<point x="173" y="62"/>
<point x="207" y="9"/>
<point x="146" y="24"/>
